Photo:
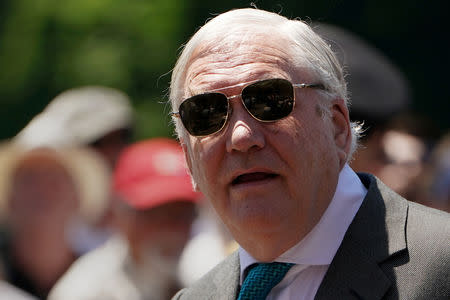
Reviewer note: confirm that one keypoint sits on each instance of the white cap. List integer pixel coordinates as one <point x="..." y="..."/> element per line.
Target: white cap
<point x="78" y="117"/>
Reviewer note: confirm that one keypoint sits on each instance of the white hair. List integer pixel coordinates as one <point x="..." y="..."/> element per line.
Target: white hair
<point x="307" y="50"/>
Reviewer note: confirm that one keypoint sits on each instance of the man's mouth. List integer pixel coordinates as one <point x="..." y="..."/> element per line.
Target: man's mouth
<point x="253" y="177"/>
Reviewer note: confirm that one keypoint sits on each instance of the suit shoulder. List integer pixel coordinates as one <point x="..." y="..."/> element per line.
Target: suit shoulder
<point x="427" y="235"/>
<point x="426" y="272"/>
<point x="428" y="223"/>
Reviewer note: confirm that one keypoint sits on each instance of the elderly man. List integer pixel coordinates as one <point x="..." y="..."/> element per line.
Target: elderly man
<point x="260" y="107"/>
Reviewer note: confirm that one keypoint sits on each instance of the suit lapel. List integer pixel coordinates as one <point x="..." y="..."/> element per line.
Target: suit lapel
<point x="227" y="280"/>
<point x="376" y="233"/>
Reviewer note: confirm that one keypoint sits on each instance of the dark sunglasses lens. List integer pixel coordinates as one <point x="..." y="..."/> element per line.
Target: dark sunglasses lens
<point x="204" y="114"/>
<point x="269" y="100"/>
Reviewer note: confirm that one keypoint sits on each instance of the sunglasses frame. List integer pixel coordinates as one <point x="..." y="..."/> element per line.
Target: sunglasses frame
<point x="247" y="84"/>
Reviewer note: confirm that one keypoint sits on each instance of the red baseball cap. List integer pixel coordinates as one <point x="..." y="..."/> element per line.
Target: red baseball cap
<point x="151" y="173"/>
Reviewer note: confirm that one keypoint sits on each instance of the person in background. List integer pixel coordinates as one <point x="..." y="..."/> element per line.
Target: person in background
<point x="260" y="108"/>
<point x="44" y="194"/>
<point x="403" y="149"/>
<point x="432" y="187"/>
<point x="393" y="144"/>
<point x="154" y="208"/>
<point x="97" y="117"/>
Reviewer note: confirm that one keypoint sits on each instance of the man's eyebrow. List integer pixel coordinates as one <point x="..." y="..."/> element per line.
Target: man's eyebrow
<point x="202" y="91"/>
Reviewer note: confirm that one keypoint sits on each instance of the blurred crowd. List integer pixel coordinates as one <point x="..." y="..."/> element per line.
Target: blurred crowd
<point x="87" y="212"/>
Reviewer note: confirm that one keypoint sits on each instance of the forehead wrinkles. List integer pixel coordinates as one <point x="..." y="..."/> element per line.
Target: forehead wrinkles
<point x="218" y="64"/>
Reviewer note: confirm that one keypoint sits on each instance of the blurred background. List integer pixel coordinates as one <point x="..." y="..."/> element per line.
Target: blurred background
<point x="48" y="46"/>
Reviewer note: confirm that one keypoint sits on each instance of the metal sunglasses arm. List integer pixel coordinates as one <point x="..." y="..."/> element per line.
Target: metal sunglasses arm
<point x="309" y="85"/>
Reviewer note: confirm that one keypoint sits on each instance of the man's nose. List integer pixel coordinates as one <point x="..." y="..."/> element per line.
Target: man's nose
<point x="245" y="133"/>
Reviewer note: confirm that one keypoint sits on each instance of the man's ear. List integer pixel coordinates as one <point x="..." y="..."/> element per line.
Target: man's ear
<point x="188" y="160"/>
<point x="342" y="129"/>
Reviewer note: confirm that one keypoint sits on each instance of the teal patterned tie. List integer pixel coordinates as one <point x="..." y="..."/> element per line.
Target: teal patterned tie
<point x="261" y="279"/>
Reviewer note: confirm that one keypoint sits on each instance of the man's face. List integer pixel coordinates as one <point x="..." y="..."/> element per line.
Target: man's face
<point x="43" y="196"/>
<point x="43" y="200"/>
<point x="269" y="182"/>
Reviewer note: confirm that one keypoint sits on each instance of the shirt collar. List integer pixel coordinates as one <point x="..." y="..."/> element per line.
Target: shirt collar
<point x="320" y="245"/>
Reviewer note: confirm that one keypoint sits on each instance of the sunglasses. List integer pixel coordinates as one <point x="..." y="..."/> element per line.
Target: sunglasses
<point x="267" y="100"/>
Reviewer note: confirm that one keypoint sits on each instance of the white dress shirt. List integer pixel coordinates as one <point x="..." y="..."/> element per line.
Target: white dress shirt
<point x="314" y="253"/>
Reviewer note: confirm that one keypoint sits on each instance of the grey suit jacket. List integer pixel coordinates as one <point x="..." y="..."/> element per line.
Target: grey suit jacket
<point x="393" y="249"/>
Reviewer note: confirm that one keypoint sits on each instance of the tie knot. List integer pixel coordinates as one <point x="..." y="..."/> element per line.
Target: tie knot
<point x="261" y="279"/>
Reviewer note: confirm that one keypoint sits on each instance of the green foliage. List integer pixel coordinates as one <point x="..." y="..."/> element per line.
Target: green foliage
<point x="47" y="46"/>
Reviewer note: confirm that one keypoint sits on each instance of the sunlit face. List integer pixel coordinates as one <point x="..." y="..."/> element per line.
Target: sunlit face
<point x="43" y="197"/>
<point x="269" y="182"/>
<point x="43" y="200"/>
